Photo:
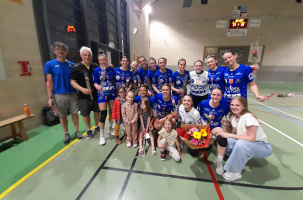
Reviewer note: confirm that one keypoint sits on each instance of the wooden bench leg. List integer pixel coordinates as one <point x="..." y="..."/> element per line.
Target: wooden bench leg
<point x="14" y="133"/>
<point x="22" y="130"/>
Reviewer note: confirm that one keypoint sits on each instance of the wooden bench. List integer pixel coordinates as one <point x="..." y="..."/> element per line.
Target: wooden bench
<point x="12" y="121"/>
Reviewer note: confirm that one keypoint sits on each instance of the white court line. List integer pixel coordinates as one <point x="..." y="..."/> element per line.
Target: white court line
<point x="283" y="134"/>
<point x="276" y="109"/>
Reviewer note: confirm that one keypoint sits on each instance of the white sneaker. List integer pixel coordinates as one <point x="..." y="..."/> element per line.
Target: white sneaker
<point x="128" y="144"/>
<point x="135" y="145"/>
<point x="231" y="176"/>
<point x="219" y="169"/>
<point x="102" y="140"/>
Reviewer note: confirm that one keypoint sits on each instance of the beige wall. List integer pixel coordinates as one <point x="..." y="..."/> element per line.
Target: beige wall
<point x="139" y="42"/>
<point x="177" y="32"/>
<point x="19" y="42"/>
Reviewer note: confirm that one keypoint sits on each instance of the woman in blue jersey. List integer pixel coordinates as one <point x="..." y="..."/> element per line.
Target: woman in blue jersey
<point x="162" y="76"/>
<point x="136" y="79"/>
<point x="166" y="106"/>
<point x="199" y="83"/>
<point x="152" y="64"/>
<point x="103" y="82"/>
<point x="237" y="76"/>
<point x="215" y="74"/>
<point x="180" y="80"/>
<point x="123" y="76"/>
<point x="212" y="112"/>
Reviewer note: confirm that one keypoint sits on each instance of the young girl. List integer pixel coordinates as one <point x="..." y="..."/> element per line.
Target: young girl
<point x="116" y="113"/>
<point x="130" y="117"/>
<point x="168" y="140"/>
<point x="146" y="118"/>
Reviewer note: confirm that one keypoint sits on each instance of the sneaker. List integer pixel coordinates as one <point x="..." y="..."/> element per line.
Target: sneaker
<point x="97" y="130"/>
<point x="110" y="131"/>
<point x="79" y="135"/>
<point x="135" y="145"/>
<point x="66" y="138"/>
<point x="128" y="145"/>
<point x="102" y="140"/>
<point x="231" y="176"/>
<point x="163" y="155"/>
<point x="89" y="134"/>
<point x="219" y="169"/>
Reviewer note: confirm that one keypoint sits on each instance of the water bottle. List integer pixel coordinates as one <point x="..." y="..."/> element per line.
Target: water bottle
<point x="26" y="111"/>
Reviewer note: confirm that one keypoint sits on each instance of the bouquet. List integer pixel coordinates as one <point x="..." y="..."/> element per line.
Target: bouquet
<point x="195" y="137"/>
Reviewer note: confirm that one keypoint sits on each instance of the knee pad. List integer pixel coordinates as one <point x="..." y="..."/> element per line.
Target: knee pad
<point x="221" y="141"/>
<point x="103" y="116"/>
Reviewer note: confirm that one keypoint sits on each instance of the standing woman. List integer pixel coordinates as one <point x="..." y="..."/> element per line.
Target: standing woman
<point x="249" y="141"/>
<point x="215" y="74"/>
<point x="237" y="76"/>
<point x="212" y="111"/>
<point x="123" y="76"/>
<point x="165" y="106"/>
<point x="162" y="76"/>
<point x="103" y="82"/>
<point x="199" y="83"/>
<point x="180" y="80"/>
<point x="152" y="64"/>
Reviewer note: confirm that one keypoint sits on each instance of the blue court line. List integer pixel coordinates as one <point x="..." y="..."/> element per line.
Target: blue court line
<point x="285" y="117"/>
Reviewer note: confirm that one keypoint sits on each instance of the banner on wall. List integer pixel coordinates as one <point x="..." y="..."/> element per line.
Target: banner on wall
<point x="17" y="1"/>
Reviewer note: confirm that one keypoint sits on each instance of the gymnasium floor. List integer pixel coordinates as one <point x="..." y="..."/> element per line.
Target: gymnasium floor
<point x="45" y="168"/>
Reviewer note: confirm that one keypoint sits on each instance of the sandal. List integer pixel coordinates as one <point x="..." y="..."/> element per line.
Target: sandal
<point x="154" y="152"/>
<point x="141" y="150"/>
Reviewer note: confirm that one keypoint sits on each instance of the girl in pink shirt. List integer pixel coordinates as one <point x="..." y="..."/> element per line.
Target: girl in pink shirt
<point x="130" y="117"/>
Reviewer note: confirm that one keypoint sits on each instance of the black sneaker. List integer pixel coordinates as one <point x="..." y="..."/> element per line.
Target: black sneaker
<point x="89" y="134"/>
<point x="97" y="130"/>
<point x="78" y="135"/>
<point x="163" y="155"/>
<point x="66" y="138"/>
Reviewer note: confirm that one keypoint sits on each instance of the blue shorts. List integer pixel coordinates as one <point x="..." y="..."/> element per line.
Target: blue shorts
<point x="106" y="97"/>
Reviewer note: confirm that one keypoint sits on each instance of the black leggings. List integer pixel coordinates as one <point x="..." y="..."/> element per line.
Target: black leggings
<point x="198" y="99"/>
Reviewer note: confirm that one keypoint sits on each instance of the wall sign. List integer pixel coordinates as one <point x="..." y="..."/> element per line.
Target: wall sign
<point x="238" y="23"/>
<point x="70" y="29"/>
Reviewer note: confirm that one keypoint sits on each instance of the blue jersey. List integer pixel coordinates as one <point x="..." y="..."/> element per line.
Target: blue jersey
<point x="105" y="78"/>
<point x="151" y="101"/>
<point x="161" y="78"/>
<point x="164" y="107"/>
<point x="216" y="79"/>
<point x="61" y="76"/>
<point x="236" y="82"/>
<point x="142" y="73"/>
<point x="180" y="81"/>
<point x="123" y="78"/>
<point x="216" y="114"/>
<point x="148" y="79"/>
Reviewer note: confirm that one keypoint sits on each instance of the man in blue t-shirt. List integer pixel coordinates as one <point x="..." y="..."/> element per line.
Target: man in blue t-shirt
<point x="61" y="95"/>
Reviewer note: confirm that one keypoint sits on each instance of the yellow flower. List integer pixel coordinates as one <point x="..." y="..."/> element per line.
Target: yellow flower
<point x="197" y="135"/>
<point x="203" y="133"/>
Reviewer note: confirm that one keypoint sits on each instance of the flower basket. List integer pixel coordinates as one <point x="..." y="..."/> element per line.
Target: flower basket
<point x="195" y="136"/>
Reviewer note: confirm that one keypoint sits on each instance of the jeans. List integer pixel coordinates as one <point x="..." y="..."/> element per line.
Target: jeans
<point x="240" y="151"/>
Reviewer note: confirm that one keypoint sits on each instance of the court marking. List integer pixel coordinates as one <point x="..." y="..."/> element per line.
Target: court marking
<point x="283" y="133"/>
<point x="276" y="109"/>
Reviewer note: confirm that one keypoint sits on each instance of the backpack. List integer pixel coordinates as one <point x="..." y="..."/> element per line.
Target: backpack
<point x="50" y="116"/>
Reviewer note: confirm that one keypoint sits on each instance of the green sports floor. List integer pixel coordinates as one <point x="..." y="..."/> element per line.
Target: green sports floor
<point x="45" y="168"/>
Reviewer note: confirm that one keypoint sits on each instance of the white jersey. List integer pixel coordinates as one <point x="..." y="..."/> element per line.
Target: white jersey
<point x="199" y="83"/>
<point x="191" y="117"/>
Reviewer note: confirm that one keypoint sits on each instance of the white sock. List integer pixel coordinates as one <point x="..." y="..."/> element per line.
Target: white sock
<point x="220" y="159"/>
<point x="101" y="131"/>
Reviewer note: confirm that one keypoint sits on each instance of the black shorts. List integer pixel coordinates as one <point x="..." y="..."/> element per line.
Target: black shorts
<point x="198" y="99"/>
<point x="88" y="105"/>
